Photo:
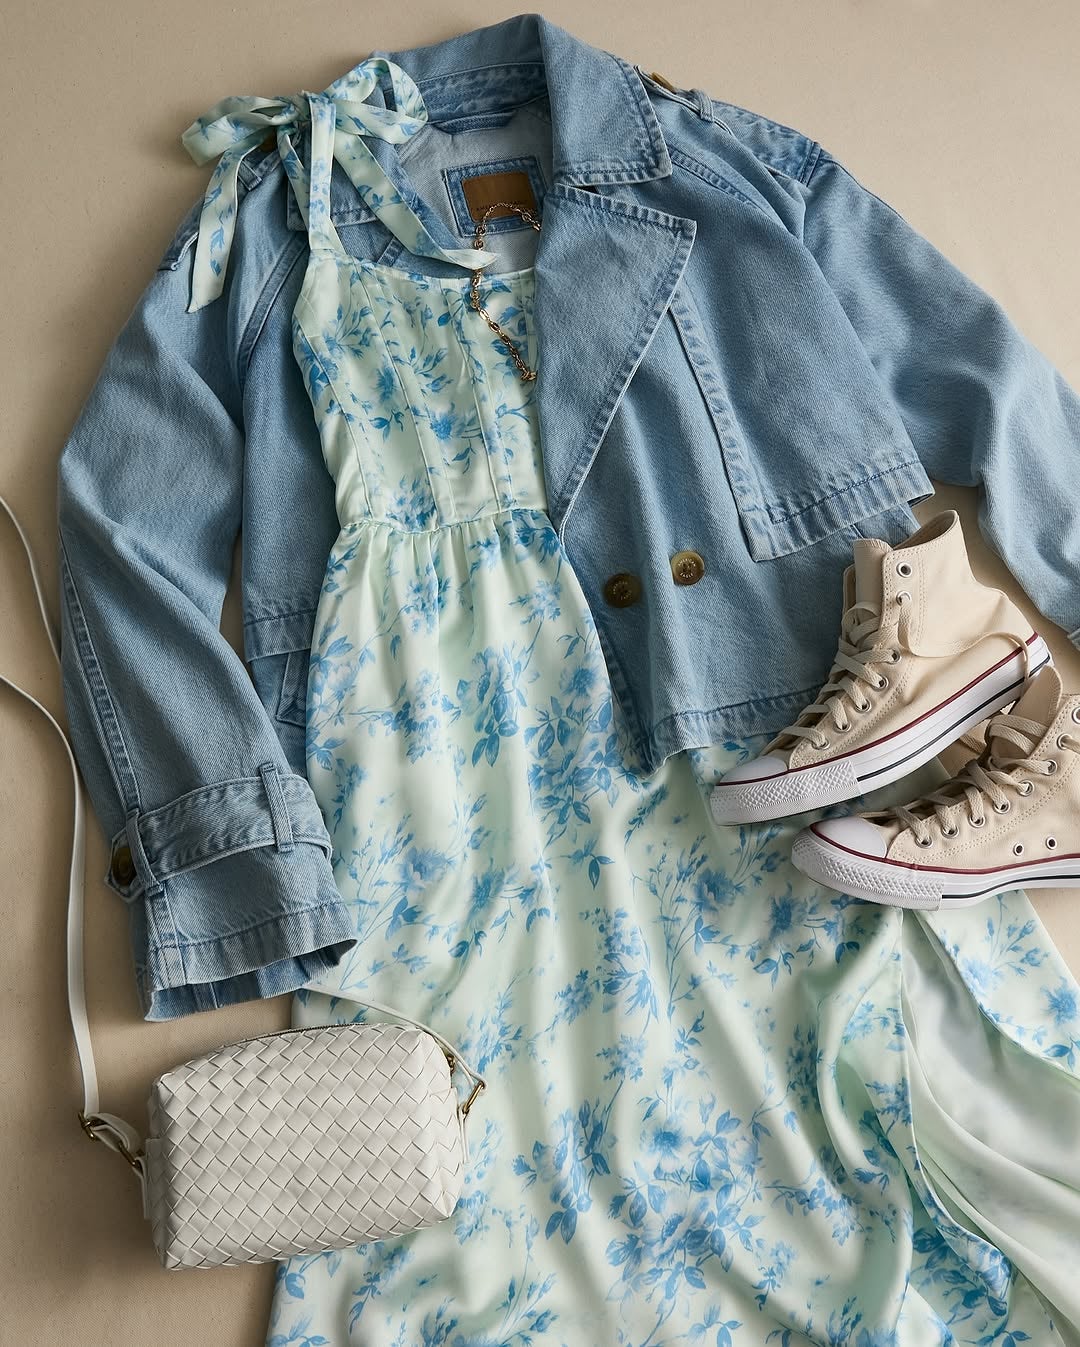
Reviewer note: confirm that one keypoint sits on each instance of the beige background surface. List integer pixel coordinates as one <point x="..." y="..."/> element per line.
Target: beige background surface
<point x="964" y="116"/>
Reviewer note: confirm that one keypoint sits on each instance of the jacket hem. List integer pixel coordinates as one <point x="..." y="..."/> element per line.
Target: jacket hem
<point x="267" y="959"/>
<point x="742" y="720"/>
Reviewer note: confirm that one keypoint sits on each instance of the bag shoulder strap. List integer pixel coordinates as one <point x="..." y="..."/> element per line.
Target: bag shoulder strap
<point x="114" y="1131"/>
<point x="119" y="1135"/>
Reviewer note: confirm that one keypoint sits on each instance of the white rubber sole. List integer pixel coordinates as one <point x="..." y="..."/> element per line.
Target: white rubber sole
<point x="879" y="763"/>
<point x="898" y="885"/>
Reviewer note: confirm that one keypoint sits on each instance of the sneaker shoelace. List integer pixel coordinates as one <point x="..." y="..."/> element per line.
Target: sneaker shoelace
<point x="862" y="645"/>
<point x="988" y="778"/>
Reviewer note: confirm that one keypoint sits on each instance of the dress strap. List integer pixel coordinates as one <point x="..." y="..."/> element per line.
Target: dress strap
<point x="311" y="186"/>
<point x="341" y="120"/>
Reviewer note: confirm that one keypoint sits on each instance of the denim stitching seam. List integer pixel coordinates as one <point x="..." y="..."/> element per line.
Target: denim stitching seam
<point x="116" y="753"/>
<point x="777" y="518"/>
<point x="179" y="946"/>
<point x="713" y="179"/>
<point x="625" y="372"/>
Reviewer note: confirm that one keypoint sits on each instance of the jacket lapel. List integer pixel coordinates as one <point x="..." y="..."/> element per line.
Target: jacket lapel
<point x="605" y="273"/>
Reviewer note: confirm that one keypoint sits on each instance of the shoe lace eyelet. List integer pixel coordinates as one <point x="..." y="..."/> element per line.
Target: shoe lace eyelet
<point x="1076" y="714"/>
<point x="1062" y="741"/>
<point x="977" y="821"/>
<point x="1003" y="807"/>
<point x="882" y="683"/>
<point x="1051" y="766"/>
<point x="924" y="841"/>
<point x="844" y="727"/>
<point x="894" y="658"/>
<point x="903" y="597"/>
<point x="950" y="832"/>
<point x="1025" y="787"/>
<point x="903" y="569"/>
<point x="1051" y="843"/>
<point x="1018" y="849"/>
<point x="822" y="743"/>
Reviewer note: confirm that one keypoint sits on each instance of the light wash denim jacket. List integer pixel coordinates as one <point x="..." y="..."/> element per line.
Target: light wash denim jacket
<point x="743" y="352"/>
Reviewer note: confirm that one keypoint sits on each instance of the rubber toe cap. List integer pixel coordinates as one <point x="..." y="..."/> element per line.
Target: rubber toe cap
<point x="769" y="765"/>
<point x="855" y="834"/>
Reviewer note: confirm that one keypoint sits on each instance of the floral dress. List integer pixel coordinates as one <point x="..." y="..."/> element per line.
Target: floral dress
<point x="724" y="1105"/>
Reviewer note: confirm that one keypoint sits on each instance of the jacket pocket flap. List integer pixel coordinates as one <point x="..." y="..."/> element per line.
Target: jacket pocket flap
<point x="775" y="531"/>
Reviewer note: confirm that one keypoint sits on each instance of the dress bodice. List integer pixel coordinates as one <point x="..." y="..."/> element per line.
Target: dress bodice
<point x="424" y="419"/>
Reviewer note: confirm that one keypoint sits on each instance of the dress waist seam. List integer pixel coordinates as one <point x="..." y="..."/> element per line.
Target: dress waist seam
<point x="441" y="526"/>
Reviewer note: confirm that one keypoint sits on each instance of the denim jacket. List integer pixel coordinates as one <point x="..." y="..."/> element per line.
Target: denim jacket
<point x="743" y="353"/>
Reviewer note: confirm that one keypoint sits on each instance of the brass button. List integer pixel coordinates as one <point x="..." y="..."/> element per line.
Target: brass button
<point x="664" y="83"/>
<point x="687" y="568"/>
<point x="123" y="867"/>
<point x="622" y="590"/>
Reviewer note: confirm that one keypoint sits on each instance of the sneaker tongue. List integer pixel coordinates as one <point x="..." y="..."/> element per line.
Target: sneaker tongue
<point x="1039" y="701"/>
<point x="868" y="555"/>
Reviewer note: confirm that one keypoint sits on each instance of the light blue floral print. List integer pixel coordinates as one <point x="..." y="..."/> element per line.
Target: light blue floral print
<point x="724" y="1106"/>
<point x="340" y="117"/>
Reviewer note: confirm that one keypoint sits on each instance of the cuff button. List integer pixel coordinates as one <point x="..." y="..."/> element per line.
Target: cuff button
<point x="123" y="867"/>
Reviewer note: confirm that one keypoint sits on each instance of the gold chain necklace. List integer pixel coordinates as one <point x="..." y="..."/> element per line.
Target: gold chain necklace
<point x="526" y="373"/>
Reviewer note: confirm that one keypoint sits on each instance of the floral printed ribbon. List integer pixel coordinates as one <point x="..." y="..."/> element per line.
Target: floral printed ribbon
<point x="233" y="127"/>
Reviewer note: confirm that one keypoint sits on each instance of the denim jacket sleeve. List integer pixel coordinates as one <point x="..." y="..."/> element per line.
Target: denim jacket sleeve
<point x="982" y="405"/>
<point x="216" y="845"/>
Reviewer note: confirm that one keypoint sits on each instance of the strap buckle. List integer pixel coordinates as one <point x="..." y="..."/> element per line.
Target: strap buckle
<point x="472" y="1098"/>
<point x="479" y="1083"/>
<point x="134" y="1158"/>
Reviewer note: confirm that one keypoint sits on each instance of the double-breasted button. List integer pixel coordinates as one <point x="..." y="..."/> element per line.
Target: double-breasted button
<point x="622" y="589"/>
<point x="687" y="568"/>
<point x="123" y="867"/>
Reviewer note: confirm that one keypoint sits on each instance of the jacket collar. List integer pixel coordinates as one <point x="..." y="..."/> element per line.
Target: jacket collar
<point x="604" y="130"/>
<point x="603" y="126"/>
<point x="606" y="268"/>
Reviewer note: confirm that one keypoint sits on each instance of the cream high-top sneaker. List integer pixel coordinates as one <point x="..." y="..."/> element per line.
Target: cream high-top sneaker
<point x="925" y="653"/>
<point x="1010" y="819"/>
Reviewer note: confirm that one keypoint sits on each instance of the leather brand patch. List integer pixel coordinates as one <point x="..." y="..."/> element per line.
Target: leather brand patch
<point x="487" y="188"/>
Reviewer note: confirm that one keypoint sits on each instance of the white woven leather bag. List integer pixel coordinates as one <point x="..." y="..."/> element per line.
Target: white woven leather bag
<point x="289" y="1143"/>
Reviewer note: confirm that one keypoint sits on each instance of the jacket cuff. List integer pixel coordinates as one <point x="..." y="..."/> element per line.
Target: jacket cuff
<point x="231" y="894"/>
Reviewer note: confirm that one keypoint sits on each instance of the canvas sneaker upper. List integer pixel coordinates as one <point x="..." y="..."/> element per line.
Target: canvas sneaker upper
<point x="918" y="627"/>
<point x="1020" y="799"/>
<point x="925" y="652"/>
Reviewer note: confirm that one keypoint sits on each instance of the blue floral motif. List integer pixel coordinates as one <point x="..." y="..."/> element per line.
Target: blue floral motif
<point x="699" y="1125"/>
<point x="1062" y="1003"/>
